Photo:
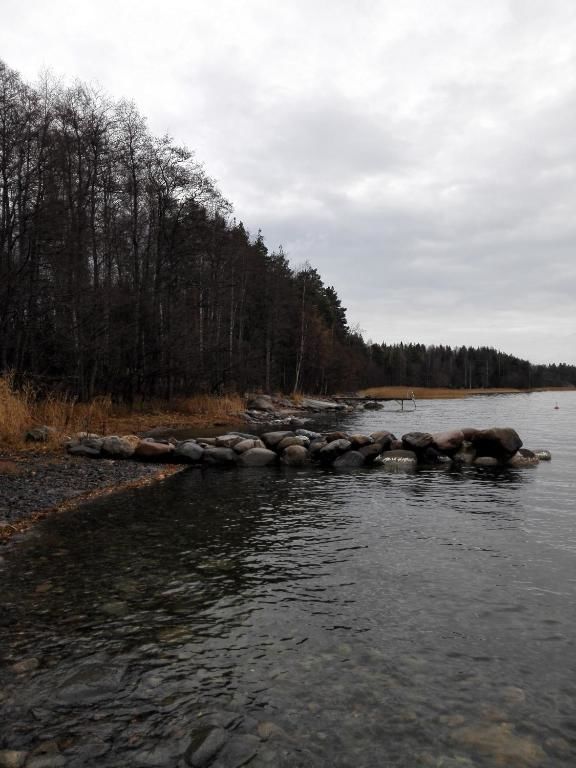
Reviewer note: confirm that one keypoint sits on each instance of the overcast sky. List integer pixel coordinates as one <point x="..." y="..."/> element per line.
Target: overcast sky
<point x="421" y="155"/>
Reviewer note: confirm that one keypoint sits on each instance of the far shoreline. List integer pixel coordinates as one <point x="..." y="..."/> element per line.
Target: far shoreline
<point x="445" y="393"/>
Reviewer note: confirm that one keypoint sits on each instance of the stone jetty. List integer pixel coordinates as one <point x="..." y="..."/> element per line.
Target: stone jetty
<point x="493" y="447"/>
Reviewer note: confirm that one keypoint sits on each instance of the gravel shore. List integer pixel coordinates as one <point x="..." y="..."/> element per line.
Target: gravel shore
<point x="32" y="484"/>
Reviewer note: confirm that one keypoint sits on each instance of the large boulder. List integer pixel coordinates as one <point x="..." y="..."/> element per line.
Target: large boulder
<point x="227" y="441"/>
<point x="295" y="456"/>
<point x="120" y="447"/>
<point x="247" y="444"/>
<point x="221" y="456"/>
<point x="295" y="440"/>
<point x="257" y="457"/>
<point x="370" y="452"/>
<point x="498" y="442"/>
<point x="416" y="441"/>
<point x="189" y="451"/>
<point x="448" y="442"/>
<point x="359" y="441"/>
<point x="151" y="450"/>
<point x="349" y="460"/>
<point x="316" y="446"/>
<point x="332" y="450"/>
<point x="307" y="433"/>
<point x="89" y="447"/>
<point x="331" y="436"/>
<point x="271" y="439"/>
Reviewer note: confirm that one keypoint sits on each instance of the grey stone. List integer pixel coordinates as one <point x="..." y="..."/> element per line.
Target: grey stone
<point x="39" y="434"/>
<point x="360" y="441"/>
<point x="308" y="433"/>
<point x="416" y="441"/>
<point x="224" y="456"/>
<point x="349" y="460"/>
<point x="238" y="751"/>
<point x="332" y="450"/>
<point x="89" y="447"/>
<point x="524" y="458"/>
<point x="247" y="444"/>
<point x="295" y="440"/>
<point x="118" y="447"/>
<point x="189" y="450"/>
<point x="90" y="683"/>
<point x="370" y="452"/>
<point x="12" y="758"/>
<point x="26" y="665"/>
<point x="227" y="441"/>
<point x="257" y="457"/>
<point x="486" y="461"/>
<point x="448" y="442"/>
<point x="295" y="456"/>
<point x="206" y="743"/>
<point x="543" y="455"/>
<point x="271" y="439"/>
<point x="261" y="403"/>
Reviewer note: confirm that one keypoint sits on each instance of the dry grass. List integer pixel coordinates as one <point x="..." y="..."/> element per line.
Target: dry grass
<point x="21" y="409"/>
<point x="432" y="393"/>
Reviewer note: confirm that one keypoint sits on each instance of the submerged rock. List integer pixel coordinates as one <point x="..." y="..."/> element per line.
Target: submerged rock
<point x="205" y="745"/>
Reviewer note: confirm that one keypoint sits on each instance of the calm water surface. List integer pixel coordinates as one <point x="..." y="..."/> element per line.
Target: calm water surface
<point x="369" y="618"/>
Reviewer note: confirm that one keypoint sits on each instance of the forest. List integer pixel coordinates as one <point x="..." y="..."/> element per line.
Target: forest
<point x="123" y="271"/>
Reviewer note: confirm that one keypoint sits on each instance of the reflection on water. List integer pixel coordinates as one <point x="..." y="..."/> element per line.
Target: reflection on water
<point x="313" y="618"/>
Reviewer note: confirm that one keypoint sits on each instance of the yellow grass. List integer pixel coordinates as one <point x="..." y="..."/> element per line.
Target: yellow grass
<point x="21" y="409"/>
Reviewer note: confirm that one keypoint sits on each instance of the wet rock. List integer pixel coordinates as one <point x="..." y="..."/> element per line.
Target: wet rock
<point x="295" y="456"/>
<point x="332" y="450"/>
<point x="431" y="457"/>
<point x="543" y="455"/>
<point x="295" y="440"/>
<point x="246" y="444"/>
<point x="502" y="745"/>
<point x="90" y="683"/>
<point x="448" y="442"/>
<point x="360" y="441"/>
<point x="46" y="761"/>
<point x="469" y="433"/>
<point x="25" y="666"/>
<point x="524" y="458"/>
<point x="115" y="608"/>
<point x="486" y="461"/>
<point x="271" y="439"/>
<point x="349" y="460"/>
<point x="222" y="456"/>
<point x="227" y="441"/>
<point x="330" y="437"/>
<point x="316" y="446"/>
<point x="205" y="745"/>
<point x="403" y="457"/>
<point x="119" y="447"/>
<point x="237" y="752"/>
<point x="152" y="450"/>
<point x="308" y="433"/>
<point x="371" y="452"/>
<point x="257" y="457"/>
<point x="269" y="730"/>
<point x="12" y="758"/>
<point x="373" y="405"/>
<point x="466" y="454"/>
<point x="189" y="451"/>
<point x="417" y="441"/>
<point x="383" y="437"/>
<point x="499" y="442"/>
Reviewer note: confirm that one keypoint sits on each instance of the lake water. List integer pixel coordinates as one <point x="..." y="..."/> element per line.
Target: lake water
<point x="312" y="618"/>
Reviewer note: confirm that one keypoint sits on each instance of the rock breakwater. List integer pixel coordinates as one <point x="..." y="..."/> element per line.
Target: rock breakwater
<point x="493" y="447"/>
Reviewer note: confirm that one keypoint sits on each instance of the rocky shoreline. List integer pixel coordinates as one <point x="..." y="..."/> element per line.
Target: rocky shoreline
<point x="34" y="483"/>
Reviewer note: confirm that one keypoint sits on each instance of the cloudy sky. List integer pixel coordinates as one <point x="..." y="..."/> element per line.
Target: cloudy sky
<point x="421" y="155"/>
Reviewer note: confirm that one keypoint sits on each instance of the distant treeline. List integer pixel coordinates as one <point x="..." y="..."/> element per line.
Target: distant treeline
<point x="123" y="272"/>
<point x="461" y="367"/>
